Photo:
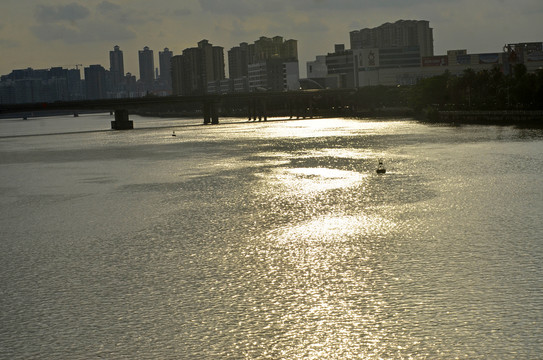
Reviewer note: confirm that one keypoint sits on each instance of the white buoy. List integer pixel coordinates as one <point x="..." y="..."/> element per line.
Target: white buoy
<point x="381" y="168"/>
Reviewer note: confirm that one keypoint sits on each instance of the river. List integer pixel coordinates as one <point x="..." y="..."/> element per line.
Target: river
<point x="269" y="240"/>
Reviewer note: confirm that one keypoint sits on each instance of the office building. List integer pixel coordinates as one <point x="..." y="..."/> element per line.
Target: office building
<point x="273" y="75"/>
<point x="341" y="65"/>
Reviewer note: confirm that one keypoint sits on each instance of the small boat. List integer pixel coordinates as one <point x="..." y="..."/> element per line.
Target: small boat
<point x="381" y="168"/>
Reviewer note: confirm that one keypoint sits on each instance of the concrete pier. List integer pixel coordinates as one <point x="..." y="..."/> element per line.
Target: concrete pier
<point x="257" y="109"/>
<point x="121" y="121"/>
<point x="506" y="117"/>
<point x="211" y="113"/>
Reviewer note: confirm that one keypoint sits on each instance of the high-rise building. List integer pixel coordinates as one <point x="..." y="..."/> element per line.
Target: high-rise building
<point x="164" y="58"/>
<point x="402" y="33"/>
<point x="116" y="66"/>
<point x="218" y="63"/>
<point x="275" y="48"/>
<point x="29" y="85"/>
<point x="147" y="67"/>
<point x="238" y="60"/>
<point x="213" y="61"/>
<point x="177" y="74"/>
<point x="267" y="48"/>
<point x="196" y="67"/>
<point x="268" y="63"/>
<point x="95" y="82"/>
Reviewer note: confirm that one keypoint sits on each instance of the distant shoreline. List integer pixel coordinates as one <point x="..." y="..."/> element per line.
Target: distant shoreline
<point x="523" y="118"/>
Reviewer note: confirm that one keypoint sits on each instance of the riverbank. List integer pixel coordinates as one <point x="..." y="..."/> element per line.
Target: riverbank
<point x="521" y="118"/>
<point x="508" y="117"/>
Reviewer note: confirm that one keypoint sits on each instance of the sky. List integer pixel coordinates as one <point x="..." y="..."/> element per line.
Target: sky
<point x="45" y="33"/>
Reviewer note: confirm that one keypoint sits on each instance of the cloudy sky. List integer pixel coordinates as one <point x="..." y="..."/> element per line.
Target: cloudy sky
<point x="45" y="33"/>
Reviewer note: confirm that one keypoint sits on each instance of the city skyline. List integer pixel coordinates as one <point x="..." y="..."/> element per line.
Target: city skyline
<point x="65" y="33"/>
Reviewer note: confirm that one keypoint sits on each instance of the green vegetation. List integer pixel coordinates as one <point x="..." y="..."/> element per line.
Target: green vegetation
<point x="484" y="90"/>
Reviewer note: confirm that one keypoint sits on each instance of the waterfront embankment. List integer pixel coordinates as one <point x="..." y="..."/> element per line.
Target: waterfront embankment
<point x="531" y="118"/>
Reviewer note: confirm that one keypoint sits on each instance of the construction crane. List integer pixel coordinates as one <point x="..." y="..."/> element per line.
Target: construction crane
<point x="72" y="65"/>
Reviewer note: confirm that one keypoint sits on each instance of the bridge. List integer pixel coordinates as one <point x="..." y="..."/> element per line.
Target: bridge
<point x="253" y="105"/>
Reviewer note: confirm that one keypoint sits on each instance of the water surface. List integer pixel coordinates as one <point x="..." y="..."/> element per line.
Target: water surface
<point x="269" y="240"/>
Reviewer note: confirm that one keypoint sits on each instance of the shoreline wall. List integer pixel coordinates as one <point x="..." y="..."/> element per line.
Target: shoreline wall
<point x="505" y="117"/>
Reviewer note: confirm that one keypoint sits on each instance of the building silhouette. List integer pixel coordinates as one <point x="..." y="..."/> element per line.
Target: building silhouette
<point x="196" y="67"/>
<point x="402" y="33"/>
<point x="165" y="61"/>
<point x="95" y="82"/>
<point x="402" y="54"/>
<point x="240" y="57"/>
<point x="267" y="64"/>
<point x="116" y="67"/>
<point x="213" y="61"/>
<point x="238" y="61"/>
<point x="266" y="48"/>
<point x="44" y="85"/>
<point x="399" y="53"/>
<point x="147" y="67"/>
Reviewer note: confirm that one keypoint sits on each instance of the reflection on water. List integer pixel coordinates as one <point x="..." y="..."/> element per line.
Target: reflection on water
<point x="316" y="179"/>
<point x="272" y="240"/>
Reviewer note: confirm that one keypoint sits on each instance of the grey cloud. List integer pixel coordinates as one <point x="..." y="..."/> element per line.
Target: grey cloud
<point x="106" y="7"/>
<point x="7" y="43"/>
<point x="531" y="7"/>
<point x="125" y="14"/>
<point x="298" y="26"/>
<point x="104" y="31"/>
<point x="243" y="7"/>
<point x="90" y="32"/>
<point x="311" y="26"/>
<point x="49" y="32"/>
<point x="70" y="12"/>
<point x="182" y="12"/>
<point x="354" y="5"/>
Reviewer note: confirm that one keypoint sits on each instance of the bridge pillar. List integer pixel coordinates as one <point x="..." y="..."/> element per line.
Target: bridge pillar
<point x="257" y="109"/>
<point x="214" y="114"/>
<point x="207" y="114"/>
<point x="251" y="109"/>
<point x="211" y="113"/>
<point x="121" y="120"/>
<point x="264" y="109"/>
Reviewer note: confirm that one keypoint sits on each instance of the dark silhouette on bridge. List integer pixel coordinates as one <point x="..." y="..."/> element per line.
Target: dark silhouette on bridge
<point x="254" y="105"/>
